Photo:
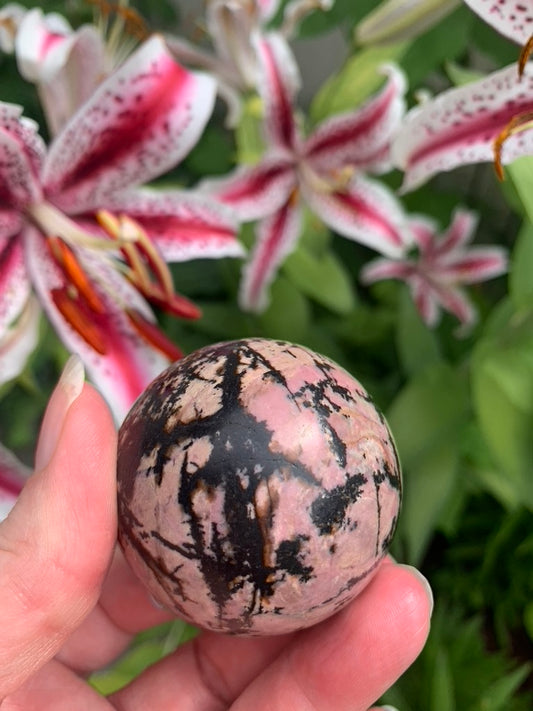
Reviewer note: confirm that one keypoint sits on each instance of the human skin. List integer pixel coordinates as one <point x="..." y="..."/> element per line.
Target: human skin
<point x="69" y="603"/>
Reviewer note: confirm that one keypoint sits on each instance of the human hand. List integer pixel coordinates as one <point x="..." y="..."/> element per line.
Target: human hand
<point x="69" y="604"/>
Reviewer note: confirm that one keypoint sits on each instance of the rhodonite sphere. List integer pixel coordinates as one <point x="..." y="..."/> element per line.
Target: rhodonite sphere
<point x="258" y="487"/>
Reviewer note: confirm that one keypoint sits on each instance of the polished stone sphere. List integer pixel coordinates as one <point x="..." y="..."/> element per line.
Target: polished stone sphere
<point x="258" y="487"/>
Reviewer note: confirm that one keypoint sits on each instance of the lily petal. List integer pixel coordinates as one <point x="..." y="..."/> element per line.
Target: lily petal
<point x="278" y="84"/>
<point x="184" y="225"/>
<point x="425" y="301"/>
<point x="10" y="224"/>
<point x="13" y="476"/>
<point x="231" y="26"/>
<point x="19" y="341"/>
<point x="26" y="132"/>
<point x="14" y="283"/>
<point x="276" y="237"/>
<point x="423" y="230"/>
<point x="38" y="36"/>
<point x="510" y="18"/>
<point x="366" y="211"/>
<point x="139" y="123"/>
<point x="379" y="269"/>
<point x="455" y="300"/>
<point x="478" y="264"/>
<point x="258" y="191"/>
<point x="21" y="152"/>
<point x="459" y="126"/>
<point x="361" y="137"/>
<point x="459" y="233"/>
<point x="267" y="9"/>
<point x="118" y="360"/>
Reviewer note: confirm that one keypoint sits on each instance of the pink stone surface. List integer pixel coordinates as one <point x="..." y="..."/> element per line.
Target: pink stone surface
<point x="258" y="487"/>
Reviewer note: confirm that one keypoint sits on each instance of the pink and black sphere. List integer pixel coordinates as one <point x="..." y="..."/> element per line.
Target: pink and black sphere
<point x="258" y="487"/>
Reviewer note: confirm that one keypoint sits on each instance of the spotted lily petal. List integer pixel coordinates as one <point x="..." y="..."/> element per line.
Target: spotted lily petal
<point x="183" y="225"/>
<point x="13" y="476"/>
<point x="276" y="237"/>
<point x="364" y="210"/>
<point x="362" y="137"/>
<point x="139" y="123"/>
<point x="21" y="155"/>
<point x="279" y="82"/>
<point x="511" y="18"/>
<point x="118" y="359"/>
<point x="67" y="66"/>
<point x="15" y="286"/>
<point x="459" y="126"/>
<point x="257" y="191"/>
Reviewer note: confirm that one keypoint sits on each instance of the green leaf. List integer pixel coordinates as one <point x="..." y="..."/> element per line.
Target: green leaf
<point x="502" y="386"/>
<point x="521" y="174"/>
<point x="417" y="345"/>
<point x="288" y="316"/>
<point x="521" y="268"/>
<point x="528" y="620"/>
<point x="500" y="692"/>
<point x="442" y="694"/>
<point x="442" y="43"/>
<point x="427" y="418"/>
<point x="459" y="75"/>
<point x="359" y="78"/>
<point x="321" y="278"/>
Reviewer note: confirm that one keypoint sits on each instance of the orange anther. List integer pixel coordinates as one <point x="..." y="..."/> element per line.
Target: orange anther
<point x="73" y="312"/>
<point x="75" y="273"/>
<point x="152" y="334"/>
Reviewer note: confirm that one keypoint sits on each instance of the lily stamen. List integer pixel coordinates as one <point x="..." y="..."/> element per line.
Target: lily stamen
<point x="146" y="269"/>
<point x="73" y="270"/>
<point x="518" y="123"/>
<point x="54" y="222"/>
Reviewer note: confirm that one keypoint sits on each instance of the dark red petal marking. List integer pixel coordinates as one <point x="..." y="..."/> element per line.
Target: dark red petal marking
<point x="365" y="212"/>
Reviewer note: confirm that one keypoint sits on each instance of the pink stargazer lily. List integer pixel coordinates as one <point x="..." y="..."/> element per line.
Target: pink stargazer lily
<point x="487" y="120"/>
<point x="326" y="169"/>
<point x="444" y="263"/>
<point x="76" y="229"/>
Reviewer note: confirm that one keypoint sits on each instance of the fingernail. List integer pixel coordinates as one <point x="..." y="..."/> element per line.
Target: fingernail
<point x="68" y="388"/>
<point x="425" y="584"/>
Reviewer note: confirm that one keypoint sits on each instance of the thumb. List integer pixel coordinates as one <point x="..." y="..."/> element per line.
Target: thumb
<point x="56" y="543"/>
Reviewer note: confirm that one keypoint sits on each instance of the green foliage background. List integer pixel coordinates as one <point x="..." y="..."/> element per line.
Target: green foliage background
<point x="461" y="410"/>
